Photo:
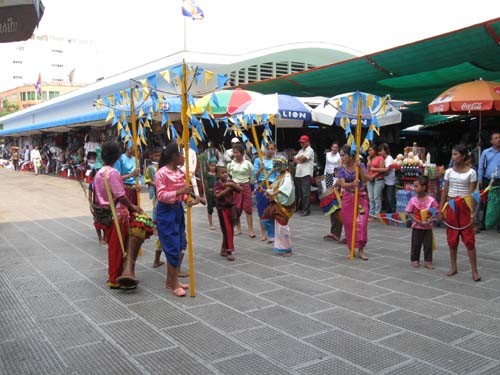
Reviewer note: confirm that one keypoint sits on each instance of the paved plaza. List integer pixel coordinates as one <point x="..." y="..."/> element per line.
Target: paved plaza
<point x="313" y="313"/>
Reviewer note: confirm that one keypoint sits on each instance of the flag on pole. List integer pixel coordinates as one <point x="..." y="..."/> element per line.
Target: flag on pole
<point x="190" y="9"/>
<point x="38" y="85"/>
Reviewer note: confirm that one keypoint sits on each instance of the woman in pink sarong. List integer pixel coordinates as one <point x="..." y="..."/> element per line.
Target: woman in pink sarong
<point x="348" y="182"/>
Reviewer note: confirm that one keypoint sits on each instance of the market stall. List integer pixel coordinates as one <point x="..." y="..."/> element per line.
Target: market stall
<point x="415" y="162"/>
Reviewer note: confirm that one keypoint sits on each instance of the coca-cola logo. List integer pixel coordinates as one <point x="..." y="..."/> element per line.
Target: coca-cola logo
<point x="439" y="108"/>
<point x="476" y="106"/>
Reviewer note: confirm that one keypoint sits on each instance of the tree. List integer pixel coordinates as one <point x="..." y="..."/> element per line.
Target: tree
<point x="8" y="108"/>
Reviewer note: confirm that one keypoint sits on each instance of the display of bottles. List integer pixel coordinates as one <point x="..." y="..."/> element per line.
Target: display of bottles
<point x="411" y="171"/>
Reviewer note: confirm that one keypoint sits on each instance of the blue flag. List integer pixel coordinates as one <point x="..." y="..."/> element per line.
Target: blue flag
<point x="190" y="9"/>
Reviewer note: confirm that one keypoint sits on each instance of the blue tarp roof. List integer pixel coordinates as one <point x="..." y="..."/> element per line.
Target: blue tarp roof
<point x="93" y="116"/>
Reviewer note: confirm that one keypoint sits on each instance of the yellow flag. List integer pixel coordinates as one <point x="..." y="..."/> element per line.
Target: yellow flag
<point x="145" y="88"/>
<point x="423" y="214"/>
<point x="369" y="101"/>
<point x="469" y="202"/>
<point x="350" y="139"/>
<point x="208" y="76"/>
<point x="166" y="76"/>
<point x="111" y="115"/>
<point x="124" y="96"/>
<point x="365" y="146"/>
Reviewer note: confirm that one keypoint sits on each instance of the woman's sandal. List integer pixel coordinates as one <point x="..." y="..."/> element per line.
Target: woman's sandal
<point x="362" y="256"/>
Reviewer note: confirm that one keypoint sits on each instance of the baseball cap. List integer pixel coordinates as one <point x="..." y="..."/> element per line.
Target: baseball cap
<point x="235" y="140"/>
<point x="304" y="138"/>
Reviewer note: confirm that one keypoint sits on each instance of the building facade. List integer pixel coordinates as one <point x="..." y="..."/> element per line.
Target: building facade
<point x="58" y="61"/>
<point x="25" y="96"/>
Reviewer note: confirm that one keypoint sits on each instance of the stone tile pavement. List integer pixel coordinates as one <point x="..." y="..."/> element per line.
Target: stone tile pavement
<point x="314" y="313"/>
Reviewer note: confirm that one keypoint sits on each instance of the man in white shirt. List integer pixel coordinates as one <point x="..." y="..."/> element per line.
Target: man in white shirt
<point x="36" y="159"/>
<point x="304" y="161"/>
<point x="228" y="155"/>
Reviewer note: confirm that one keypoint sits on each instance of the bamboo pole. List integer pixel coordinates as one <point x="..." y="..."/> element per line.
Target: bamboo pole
<point x="356" y="190"/>
<point x="185" y="142"/>
<point x="135" y="143"/>
<point x="259" y="152"/>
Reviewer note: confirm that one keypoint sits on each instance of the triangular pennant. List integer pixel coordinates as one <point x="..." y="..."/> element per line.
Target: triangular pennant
<point x="111" y="115"/>
<point x="208" y="76"/>
<point x="451" y="203"/>
<point x="221" y="81"/>
<point x="476" y="197"/>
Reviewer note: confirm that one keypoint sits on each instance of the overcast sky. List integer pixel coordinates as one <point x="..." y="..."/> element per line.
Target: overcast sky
<point x="131" y="32"/>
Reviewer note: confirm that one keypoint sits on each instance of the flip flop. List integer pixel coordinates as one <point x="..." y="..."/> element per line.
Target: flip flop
<point x="158" y="265"/>
<point x="127" y="282"/>
<point x="251" y="235"/>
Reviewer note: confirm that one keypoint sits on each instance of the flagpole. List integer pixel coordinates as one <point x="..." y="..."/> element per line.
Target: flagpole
<point x="356" y="189"/>
<point x="185" y="141"/>
<point x="185" y="34"/>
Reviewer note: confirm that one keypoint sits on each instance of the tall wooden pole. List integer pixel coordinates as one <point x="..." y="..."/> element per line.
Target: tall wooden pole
<point x="185" y="142"/>
<point x="135" y="143"/>
<point x="259" y="152"/>
<point x="356" y="190"/>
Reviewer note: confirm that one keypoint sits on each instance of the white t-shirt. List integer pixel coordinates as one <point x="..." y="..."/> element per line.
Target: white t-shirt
<point x="390" y="175"/>
<point x="332" y="163"/>
<point x="306" y="168"/>
<point x="458" y="183"/>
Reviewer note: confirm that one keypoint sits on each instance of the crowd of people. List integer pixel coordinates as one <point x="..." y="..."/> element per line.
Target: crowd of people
<point x="47" y="159"/>
<point x="278" y="185"/>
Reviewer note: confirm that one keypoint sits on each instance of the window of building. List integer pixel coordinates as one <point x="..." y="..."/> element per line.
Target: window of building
<point x="44" y="95"/>
<point x="23" y="96"/>
<point x="53" y="94"/>
<point x="31" y="95"/>
<point x="13" y="98"/>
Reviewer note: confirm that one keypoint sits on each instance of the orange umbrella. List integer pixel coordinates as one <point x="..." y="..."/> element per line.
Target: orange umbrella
<point x="481" y="96"/>
<point x="477" y="96"/>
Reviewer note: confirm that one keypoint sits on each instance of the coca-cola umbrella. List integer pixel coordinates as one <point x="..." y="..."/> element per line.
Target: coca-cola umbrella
<point x="481" y="97"/>
<point x="18" y="19"/>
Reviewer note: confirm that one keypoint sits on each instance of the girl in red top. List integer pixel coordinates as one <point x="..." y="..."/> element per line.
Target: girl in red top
<point x="375" y="184"/>
<point x="224" y="202"/>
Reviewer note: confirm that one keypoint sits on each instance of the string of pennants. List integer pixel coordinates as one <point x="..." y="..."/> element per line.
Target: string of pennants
<point x="401" y="219"/>
<point x="149" y="102"/>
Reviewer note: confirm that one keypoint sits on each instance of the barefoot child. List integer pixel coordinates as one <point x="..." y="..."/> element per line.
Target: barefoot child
<point x="281" y="195"/>
<point x="99" y="228"/>
<point x="210" y="181"/>
<point x="420" y="208"/>
<point x="224" y="201"/>
<point x="171" y="191"/>
<point x="459" y="183"/>
<point x="149" y="179"/>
